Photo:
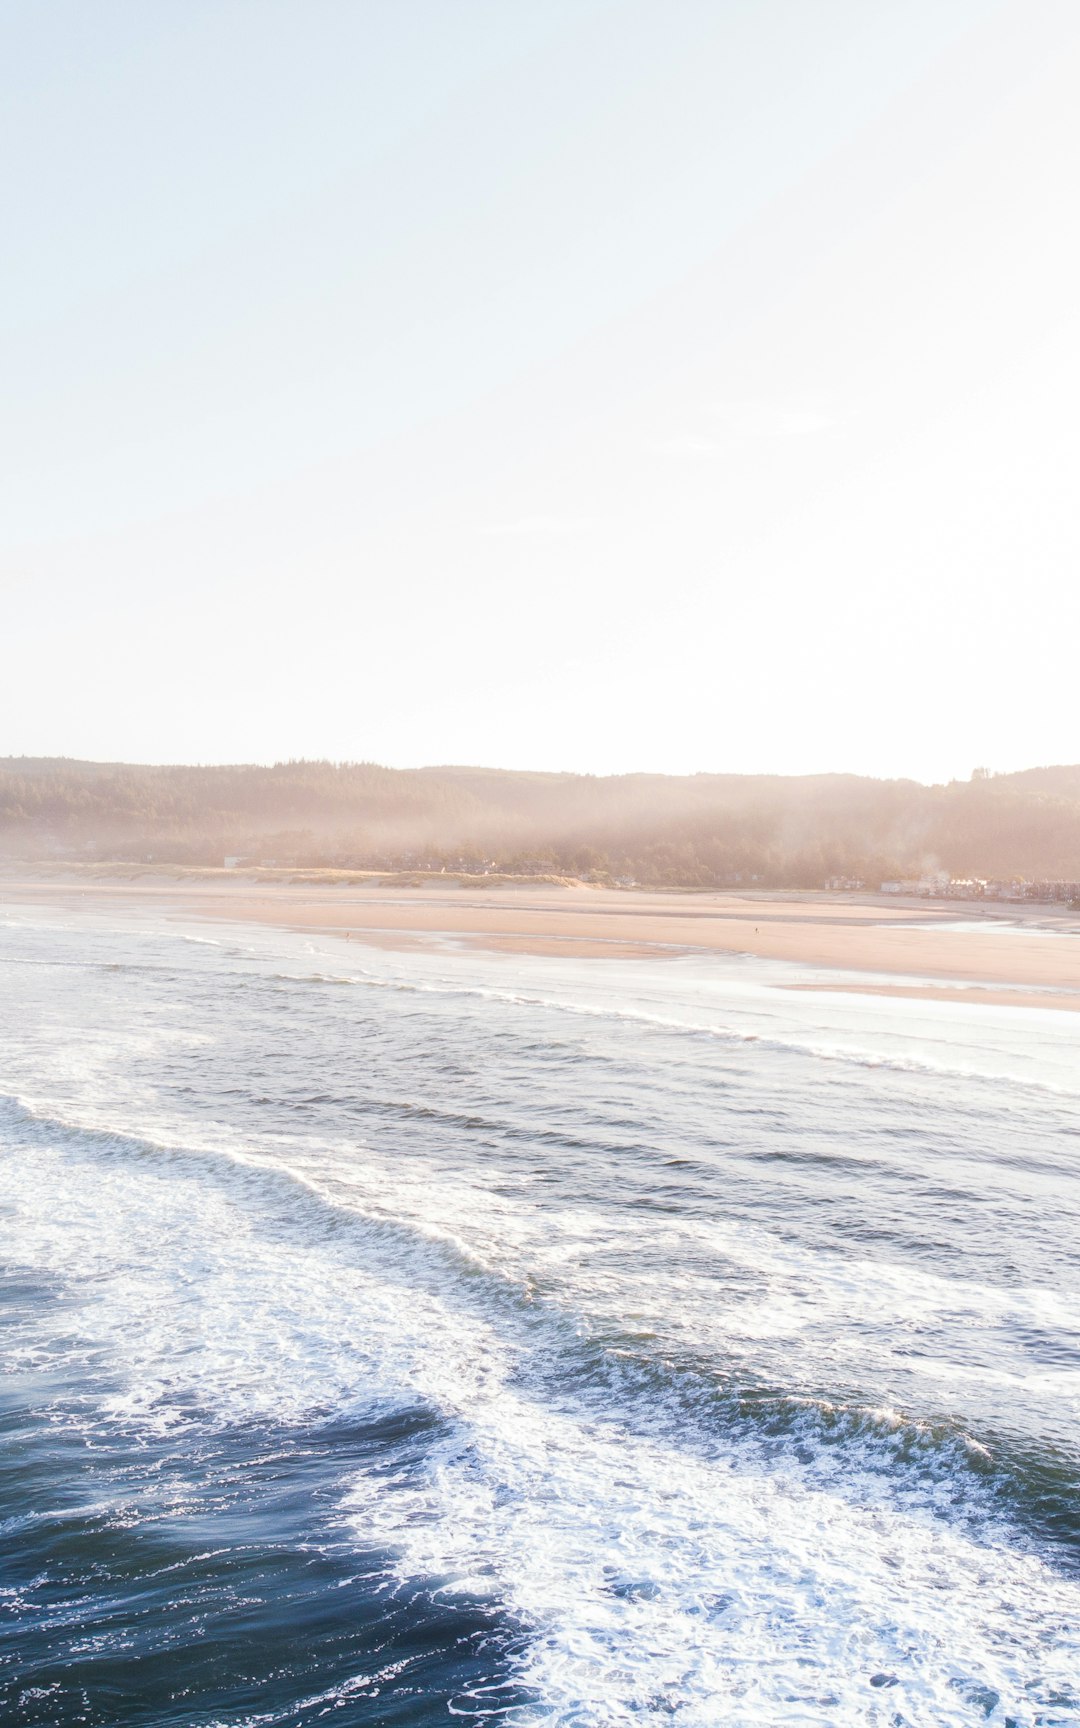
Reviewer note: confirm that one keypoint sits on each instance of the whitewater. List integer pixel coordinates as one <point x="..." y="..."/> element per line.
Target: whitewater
<point x="399" y="1337"/>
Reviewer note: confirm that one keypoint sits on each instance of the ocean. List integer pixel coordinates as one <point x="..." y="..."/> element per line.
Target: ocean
<point x="405" y="1337"/>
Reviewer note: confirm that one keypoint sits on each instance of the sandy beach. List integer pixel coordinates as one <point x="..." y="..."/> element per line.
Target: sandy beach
<point x="975" y="953"/>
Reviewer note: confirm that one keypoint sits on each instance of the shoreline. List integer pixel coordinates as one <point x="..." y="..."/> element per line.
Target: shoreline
<point x="933" y="951"/>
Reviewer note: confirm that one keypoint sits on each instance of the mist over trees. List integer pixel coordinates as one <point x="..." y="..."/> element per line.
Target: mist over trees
<point x="703" y="830"/>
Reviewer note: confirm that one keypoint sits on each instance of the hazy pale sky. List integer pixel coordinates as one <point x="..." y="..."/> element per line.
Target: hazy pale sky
<point x="545" y="383"/>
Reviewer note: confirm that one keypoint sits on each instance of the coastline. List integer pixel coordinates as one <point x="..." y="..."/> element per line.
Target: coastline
<point x="951" y="952"/>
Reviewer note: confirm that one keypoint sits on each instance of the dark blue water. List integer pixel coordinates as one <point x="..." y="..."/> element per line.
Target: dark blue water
<point x="397" y="1337"/>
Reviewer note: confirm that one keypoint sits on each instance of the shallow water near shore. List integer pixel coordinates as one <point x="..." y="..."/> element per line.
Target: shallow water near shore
<point x="393" y="1336"/>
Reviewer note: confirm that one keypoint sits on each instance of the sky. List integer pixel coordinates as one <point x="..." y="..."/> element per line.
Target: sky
<point x="680" y="386"/>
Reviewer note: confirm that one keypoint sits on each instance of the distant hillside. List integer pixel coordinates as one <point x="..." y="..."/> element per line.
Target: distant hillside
<point x="701" y="830"/>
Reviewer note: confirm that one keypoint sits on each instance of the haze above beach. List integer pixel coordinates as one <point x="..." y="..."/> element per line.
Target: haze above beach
<point x="561" y="385"/>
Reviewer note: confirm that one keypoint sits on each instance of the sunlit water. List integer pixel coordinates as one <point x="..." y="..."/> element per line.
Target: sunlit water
<point x="397" y="1336"/>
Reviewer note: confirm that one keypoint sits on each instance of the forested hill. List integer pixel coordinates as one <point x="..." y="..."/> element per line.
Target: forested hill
<point x="697" y="830"/>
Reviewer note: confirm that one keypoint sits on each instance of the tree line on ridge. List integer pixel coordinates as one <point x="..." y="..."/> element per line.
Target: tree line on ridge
<point x="699" y="831"/>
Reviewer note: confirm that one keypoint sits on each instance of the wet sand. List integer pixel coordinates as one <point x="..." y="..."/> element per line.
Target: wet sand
<point x="933" y="950"/>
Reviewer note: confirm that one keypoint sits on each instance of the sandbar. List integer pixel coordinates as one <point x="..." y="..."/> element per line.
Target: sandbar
<point x="1021" y="955"/>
